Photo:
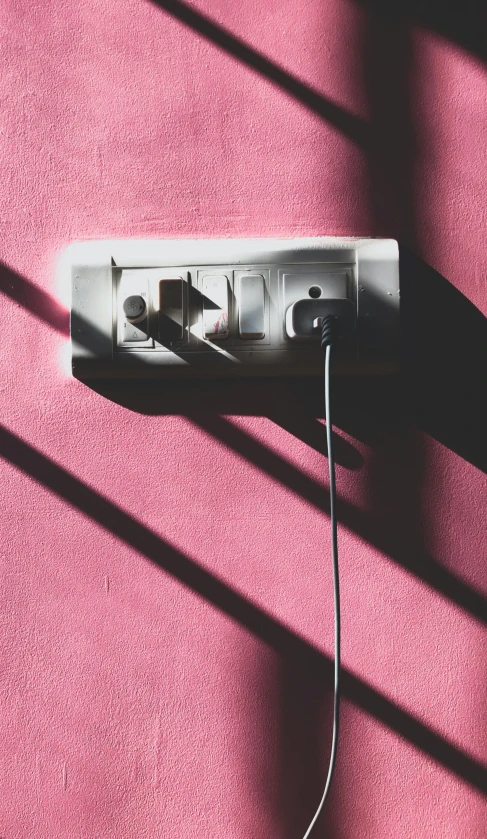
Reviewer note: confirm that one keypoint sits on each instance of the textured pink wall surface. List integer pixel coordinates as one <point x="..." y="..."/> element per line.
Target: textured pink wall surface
<point x="166" y="604"/>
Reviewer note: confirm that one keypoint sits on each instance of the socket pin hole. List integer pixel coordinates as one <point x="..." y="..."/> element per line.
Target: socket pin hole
<point x="315" y="291"/>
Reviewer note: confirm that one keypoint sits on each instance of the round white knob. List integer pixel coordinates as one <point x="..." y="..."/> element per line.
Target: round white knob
<point x="134" y="308"/>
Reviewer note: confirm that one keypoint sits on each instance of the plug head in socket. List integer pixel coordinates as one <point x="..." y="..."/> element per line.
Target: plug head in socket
<point x="302" y="316"/>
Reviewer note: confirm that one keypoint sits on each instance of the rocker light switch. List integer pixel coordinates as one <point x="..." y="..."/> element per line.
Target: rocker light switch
<point x="171" y="310"/>
<point x="215" y="306"/>
<point x="251" y="308"/>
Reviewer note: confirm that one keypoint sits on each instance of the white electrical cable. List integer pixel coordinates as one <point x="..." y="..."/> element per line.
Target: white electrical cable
<point x="336" y="593"/>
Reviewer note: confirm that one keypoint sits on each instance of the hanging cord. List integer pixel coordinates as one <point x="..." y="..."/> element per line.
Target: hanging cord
<point x="327" y="338"/>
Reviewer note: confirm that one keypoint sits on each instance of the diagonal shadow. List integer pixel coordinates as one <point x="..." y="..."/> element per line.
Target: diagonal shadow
<point x="310" y="431"/>
<point x="293" y="404"/>
<point x="352" y="126"/>
<point x="34" y="299"/>
<point x="370" y="528"/>
<point x="273" y="633"/>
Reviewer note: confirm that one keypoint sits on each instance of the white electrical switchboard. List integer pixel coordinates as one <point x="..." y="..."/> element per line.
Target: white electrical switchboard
<point x="183" y="308"/>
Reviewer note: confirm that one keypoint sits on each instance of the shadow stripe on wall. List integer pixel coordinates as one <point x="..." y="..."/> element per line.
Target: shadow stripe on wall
<point x="126" y="528"/>
<point x="352" y="126"/>
<point x="34" y="299"/>
<point x="423" y="566"/>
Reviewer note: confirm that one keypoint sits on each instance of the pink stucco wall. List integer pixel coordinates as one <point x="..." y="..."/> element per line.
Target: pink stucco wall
<point x="166" y="604"/>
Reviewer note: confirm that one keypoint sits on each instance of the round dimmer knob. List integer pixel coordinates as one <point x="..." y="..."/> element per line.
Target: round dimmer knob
<point x="134" y="308"/>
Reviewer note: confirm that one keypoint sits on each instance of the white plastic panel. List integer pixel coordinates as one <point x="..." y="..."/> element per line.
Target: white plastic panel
<point x="263" y="277"/>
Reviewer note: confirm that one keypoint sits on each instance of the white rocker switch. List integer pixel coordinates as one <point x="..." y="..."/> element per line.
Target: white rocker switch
<point x="215" y="306"/>
<point x="171" y="310"/>
<point x="251" y="309"/>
